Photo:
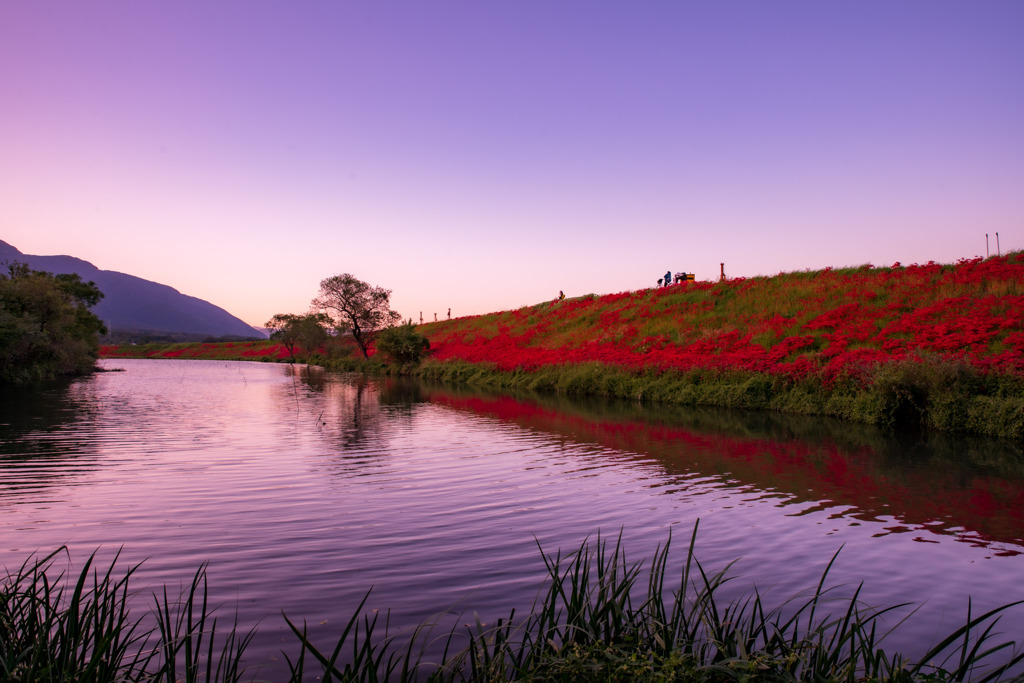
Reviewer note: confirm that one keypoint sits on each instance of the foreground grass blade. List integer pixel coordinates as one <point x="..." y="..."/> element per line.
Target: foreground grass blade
<point x="591" y="621"/>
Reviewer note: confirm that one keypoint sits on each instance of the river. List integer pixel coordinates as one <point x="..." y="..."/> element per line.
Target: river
<point x="301" y="489"/>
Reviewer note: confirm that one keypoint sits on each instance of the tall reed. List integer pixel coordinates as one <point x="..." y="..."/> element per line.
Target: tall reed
<point x="599" y="617"/>
<point x="599" y="620"/>
<point x="54" y="630"/>
<point x="590" y="622"/>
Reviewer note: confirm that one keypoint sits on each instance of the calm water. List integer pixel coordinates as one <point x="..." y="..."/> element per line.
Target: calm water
<point x="302" y="489"/>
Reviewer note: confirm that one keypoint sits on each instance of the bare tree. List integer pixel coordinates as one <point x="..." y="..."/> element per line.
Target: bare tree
<point x="356" y="308"/>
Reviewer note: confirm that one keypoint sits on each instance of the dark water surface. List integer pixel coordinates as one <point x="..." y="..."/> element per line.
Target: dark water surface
<point x="302" y="489"/>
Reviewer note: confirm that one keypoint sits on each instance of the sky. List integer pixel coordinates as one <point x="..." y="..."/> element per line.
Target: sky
<point x="485" y="155"/>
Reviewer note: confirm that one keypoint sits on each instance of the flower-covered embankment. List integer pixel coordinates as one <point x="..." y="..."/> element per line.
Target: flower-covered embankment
<point x="828" y="323"/>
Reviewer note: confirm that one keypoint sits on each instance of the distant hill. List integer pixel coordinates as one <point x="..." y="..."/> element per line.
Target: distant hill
<point x="135" y="307"/>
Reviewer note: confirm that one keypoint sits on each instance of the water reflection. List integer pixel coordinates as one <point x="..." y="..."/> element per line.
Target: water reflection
<point x="45" y="439"/>
<point x="917" y="483"/>
<point x="302" y="489"/>
<point x="358" y="414"/>
<point x="42" y="409"/>
<point x="923" y="484"/>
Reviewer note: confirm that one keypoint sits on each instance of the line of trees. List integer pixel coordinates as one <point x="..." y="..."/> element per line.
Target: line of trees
<point x="348" y="308"/>
<point x="46" y="325"/>
<point x="47" y="328"/>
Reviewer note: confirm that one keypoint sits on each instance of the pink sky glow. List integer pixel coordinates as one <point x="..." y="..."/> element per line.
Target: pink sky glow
<point x="484" y="155"/>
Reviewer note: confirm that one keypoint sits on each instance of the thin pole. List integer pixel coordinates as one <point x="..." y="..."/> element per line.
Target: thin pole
<point x="999" y="252"/>
<point x="986" y="245"/>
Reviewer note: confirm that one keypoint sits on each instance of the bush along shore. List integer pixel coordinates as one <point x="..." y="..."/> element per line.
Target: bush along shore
<point x="599" y="617"/>
<point x="939" y="346"/>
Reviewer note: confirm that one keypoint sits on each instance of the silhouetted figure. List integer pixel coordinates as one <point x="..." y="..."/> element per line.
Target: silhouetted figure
<point x="561" y="295"/>
<point x="659" y="282"/>
<point x="449" y="313"/>
<point x="668" y="277"/>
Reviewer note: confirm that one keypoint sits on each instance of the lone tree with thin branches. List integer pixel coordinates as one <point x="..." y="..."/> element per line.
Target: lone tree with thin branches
<point x="356" y="308"/>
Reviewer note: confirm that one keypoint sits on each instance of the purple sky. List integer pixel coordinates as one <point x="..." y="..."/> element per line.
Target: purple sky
<point x="485" y="155"/>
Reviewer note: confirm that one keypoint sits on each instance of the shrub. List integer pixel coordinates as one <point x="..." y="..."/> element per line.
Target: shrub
<point x="402" y="344"/>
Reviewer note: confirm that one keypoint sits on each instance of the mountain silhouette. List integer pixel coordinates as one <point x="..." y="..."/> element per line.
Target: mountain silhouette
<point x="133" y="306"/>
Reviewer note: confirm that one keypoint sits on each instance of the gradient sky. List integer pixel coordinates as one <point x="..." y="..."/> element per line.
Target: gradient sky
<point x="485" y="155"/>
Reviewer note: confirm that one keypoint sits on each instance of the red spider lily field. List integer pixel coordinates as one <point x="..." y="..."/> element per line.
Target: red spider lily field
<point x="247" y="350"/>
<point x="938" y="345"/>
<point x="933" y="345"/>
<point x="826" y="323"/>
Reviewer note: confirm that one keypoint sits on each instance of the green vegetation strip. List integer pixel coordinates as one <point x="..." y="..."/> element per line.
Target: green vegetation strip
<point x="600" y="618"/>
<point x="938" y="394"/>
<point x="944" y="395"/>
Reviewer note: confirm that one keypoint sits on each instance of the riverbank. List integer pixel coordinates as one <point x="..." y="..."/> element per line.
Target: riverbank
<point x="945" y="396"/>
<point x="935" y="345"/>
<point x="939" y="346"/>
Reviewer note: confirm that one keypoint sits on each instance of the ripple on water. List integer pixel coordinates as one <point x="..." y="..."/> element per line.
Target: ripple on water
<point x="303" y="493"/>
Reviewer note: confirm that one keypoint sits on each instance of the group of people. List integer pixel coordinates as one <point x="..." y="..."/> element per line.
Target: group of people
<point x="662" y="282"/>
<point x="679" y="277"/>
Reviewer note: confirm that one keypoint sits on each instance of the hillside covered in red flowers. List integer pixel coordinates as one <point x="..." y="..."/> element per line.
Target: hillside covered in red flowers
<point x="939" y="344"/>
<point x="826" y="323"/>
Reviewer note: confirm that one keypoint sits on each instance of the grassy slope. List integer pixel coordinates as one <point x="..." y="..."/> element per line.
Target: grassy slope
<point x="937" y="344"/>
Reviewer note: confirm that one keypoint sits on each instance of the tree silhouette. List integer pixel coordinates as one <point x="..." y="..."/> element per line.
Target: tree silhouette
<point x="356" y="308"/>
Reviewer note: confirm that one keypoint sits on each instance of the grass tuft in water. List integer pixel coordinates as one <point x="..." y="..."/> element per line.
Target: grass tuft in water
<point x="55" y="630"/>
<point x="603" y="618"/>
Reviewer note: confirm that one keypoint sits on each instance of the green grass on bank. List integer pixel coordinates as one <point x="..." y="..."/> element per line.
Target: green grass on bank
<point x="942" y="395"/>
<point x="599" y="618"/>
